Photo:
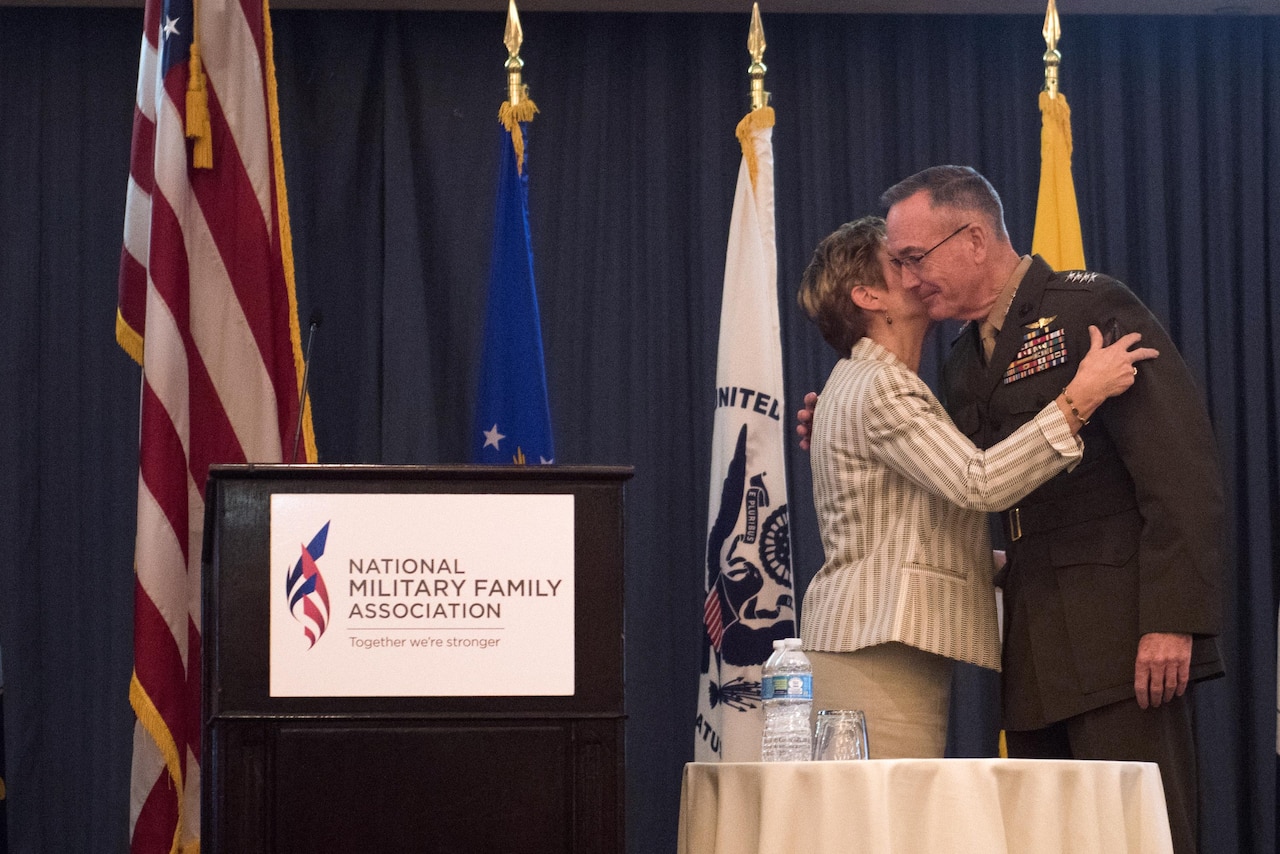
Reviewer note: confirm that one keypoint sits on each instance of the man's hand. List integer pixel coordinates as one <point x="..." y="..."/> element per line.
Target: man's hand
<point x="804" y="420"/>
<point x="1163" y="668"/>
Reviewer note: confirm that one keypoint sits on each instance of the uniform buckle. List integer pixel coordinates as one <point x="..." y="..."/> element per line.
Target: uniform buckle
<point x="1015" y="525"/>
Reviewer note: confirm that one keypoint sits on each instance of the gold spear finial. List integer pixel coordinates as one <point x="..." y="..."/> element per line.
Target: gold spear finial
<point x="513" y="38"/>
<point x="1052" y="58"/>
<point x="756" y="46"/>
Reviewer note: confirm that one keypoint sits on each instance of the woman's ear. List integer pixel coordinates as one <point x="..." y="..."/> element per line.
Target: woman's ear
<point x="865" y="298"/>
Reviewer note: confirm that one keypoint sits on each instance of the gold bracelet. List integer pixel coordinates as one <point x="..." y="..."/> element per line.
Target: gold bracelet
<point x="1072" y="406"/>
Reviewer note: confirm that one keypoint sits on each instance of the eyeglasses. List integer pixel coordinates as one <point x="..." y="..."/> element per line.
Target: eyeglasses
<point x="913" y="262"/>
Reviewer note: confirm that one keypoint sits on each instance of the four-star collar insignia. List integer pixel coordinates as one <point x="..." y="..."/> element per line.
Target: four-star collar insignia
<point x="1043" y="347"/>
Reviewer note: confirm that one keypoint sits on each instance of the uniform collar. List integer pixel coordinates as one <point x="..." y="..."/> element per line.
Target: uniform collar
<point x="1000" y="310"/>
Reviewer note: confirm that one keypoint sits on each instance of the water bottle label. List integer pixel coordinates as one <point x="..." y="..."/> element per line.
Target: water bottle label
<point x="792" y="685"/>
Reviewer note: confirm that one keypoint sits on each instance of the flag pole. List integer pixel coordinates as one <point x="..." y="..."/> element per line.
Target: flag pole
<point x="1052" y="57"/>
<point x="1056" y="235"/>
<point x="513" y="38"/>
<point x="755" y="46"/>
<point x="747" y="512"/>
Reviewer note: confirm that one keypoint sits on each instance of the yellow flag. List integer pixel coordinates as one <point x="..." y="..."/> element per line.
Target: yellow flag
<point x="1057" y="233"/>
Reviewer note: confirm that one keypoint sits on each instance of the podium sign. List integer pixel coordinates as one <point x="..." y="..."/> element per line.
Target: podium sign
<point x="403" y="658"/>
<point x="396" y="595"/>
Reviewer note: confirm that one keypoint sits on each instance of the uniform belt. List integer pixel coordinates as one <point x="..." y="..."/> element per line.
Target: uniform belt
<point x="1026" y="519"/>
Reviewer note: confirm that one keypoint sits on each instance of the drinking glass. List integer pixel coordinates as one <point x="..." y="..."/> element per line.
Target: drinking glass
<point x="841" y="734"/>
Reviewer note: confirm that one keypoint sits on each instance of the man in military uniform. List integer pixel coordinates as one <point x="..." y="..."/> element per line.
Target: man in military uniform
<point x="1112" y="599"/>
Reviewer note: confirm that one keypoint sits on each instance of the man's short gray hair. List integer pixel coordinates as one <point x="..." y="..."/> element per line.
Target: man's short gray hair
<point x="956" y="187"/>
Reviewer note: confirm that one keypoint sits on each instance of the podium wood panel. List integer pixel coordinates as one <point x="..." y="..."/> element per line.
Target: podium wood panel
<point x="382" y="775"/>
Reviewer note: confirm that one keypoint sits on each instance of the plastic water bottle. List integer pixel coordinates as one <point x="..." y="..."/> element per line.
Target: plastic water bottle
<point x="787" y="691"/>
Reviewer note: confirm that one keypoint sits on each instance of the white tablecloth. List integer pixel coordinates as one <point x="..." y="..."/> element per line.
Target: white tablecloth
<point x="930" y="806"/>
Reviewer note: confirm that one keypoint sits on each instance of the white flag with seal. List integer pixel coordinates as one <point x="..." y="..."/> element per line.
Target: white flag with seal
<point x="750" y="601"/>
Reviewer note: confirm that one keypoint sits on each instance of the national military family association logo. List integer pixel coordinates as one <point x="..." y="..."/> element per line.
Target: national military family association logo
<point x="308" y="597"/>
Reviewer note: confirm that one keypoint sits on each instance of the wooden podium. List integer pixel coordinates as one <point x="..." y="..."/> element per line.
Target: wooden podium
<point x="381" y="774"/>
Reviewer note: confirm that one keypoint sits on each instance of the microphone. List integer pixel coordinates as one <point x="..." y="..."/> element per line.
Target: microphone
<point x="316" y="318"/>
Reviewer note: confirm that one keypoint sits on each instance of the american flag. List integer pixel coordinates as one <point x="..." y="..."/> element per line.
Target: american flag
<point x="207" y="307"/>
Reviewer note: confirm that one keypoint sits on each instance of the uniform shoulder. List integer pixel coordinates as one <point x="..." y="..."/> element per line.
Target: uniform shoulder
<point x="1101" y="291"/>
<point x="1082" y="280"/>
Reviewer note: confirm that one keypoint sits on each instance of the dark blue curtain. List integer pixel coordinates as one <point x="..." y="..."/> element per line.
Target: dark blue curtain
<point x="4" y="814"/>
<point x="388" y="122"/>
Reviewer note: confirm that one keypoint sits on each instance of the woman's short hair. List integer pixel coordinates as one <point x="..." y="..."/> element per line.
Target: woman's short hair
<point x="846" y="258"/>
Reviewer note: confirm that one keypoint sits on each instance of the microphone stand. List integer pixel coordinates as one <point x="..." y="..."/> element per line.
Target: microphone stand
<point x="306" y="376"/>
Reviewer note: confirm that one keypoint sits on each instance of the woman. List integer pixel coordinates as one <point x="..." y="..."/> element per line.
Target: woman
<point x="901" y="497"/>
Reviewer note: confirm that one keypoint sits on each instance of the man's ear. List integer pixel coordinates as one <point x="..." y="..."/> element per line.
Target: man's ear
<point x="979" y="236"/>
<point x="865" y="298"/>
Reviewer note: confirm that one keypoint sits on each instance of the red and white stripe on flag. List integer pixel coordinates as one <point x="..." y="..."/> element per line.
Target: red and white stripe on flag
<point x="207" y="307"/>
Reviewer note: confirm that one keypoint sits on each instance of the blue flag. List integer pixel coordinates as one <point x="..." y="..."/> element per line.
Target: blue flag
<point x="513" y="420"/>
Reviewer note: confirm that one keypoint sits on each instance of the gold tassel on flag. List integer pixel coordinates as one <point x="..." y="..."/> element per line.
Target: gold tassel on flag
<point x="752" y="122"/>
<point x="198" y="101"/>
